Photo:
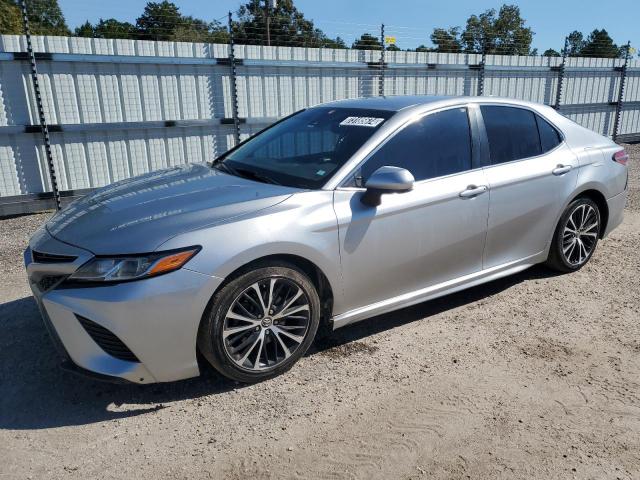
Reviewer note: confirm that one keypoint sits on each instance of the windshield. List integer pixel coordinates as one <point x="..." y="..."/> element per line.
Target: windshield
<point x="305" y="149"/>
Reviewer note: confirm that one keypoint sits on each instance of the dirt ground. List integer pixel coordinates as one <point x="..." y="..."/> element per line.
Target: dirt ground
<point x="533" y="376"/>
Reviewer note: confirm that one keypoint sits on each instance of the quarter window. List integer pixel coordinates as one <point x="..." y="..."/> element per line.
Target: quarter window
<point x="512" y="133"/>
<point x="432" y="146"/>
<point x="549" y="136"/>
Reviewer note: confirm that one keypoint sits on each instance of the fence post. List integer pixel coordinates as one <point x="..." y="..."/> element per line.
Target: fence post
<point x="561" y="71"/>
<point x="382" y="65"/>
<point x="234" y="85"/>
<point x="483" y="62"/>
<point x="43" y="121"/>
<point x="623" y="79"/>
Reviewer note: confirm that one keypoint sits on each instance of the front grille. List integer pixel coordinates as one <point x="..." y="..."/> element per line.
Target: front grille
<point x="49" y="281"/>
<point x="41" y="257"/>
<point x="107" y="341"/>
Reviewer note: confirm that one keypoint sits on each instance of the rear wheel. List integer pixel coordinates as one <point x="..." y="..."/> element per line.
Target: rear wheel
<point x="576" y="236"/>
<point x="260" y="323"/>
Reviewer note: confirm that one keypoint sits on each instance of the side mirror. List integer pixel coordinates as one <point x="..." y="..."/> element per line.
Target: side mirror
<point x="386" y="180"/>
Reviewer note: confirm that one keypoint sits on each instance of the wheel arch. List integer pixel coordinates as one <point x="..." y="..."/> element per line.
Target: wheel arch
<point x="317" y="276"/>
<point x="600" y="200"/>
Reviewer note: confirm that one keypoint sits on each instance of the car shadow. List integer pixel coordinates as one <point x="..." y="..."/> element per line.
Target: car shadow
<point x="388" y="321"/>
<point x="37" y="394"/>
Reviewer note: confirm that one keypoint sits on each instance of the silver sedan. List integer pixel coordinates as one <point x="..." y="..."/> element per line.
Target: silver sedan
<point x="332" y="215"/>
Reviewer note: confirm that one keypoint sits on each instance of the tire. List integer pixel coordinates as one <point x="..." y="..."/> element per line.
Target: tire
<point x="576" y="237"/>
<point x="246" y="343"/>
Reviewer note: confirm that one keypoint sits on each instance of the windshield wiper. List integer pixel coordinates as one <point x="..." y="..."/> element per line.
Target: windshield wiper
<point x="251" y="175"/>
<point x="223" y="167"/>
<point x="245" y="173"/>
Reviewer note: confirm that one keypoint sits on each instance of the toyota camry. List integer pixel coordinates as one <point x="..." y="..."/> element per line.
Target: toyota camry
<point x="332" y="215"/>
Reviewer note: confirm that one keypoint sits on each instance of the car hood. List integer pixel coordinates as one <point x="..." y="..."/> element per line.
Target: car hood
<point x="137" y="215"/>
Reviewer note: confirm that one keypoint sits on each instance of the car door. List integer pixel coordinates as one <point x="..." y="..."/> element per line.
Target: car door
<point x="531" y="172"/>
<point x="424" y="237"/>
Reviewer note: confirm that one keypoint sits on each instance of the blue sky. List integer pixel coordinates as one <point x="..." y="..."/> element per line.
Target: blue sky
<point x="410" y="20"/>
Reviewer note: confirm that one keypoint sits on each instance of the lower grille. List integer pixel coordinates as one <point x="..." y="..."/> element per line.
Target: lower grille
<point x="49" y="281"/>
<point x="107" y="341"/>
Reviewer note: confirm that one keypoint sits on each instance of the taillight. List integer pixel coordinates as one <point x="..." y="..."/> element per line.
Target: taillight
<point x="621" y="157"/>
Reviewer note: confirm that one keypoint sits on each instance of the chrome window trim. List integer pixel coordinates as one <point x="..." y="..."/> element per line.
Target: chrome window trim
<point x="416" y="116"/>
<point x="522" y="107"/>
<point x="394" y="123"/>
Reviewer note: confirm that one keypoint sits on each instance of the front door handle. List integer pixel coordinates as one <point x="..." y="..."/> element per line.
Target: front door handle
<point x="473" y="191"/>
<point x="561" y="169"/>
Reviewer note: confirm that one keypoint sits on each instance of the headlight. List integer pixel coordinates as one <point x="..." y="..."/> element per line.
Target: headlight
<point x="133" y="267"/>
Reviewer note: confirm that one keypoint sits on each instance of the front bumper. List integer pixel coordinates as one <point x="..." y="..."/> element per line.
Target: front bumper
<point x="156" y="318"/>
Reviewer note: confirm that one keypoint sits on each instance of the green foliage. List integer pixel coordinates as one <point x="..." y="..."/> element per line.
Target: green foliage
<point x="287" y="26"/>
<point x="46" y="18"/>
<point x="600" y="44"/>
<point x="85" y="30"/>
<point x="550" y="52"/>
<point x="502" y="32"/>
<point x="110" y="28"/>
<point x="367" y="42"/>
<point x="446" y="40"/>
<point x="194" y="30"/>
<point x="159" y="21"/>
<point x="505" y="34"/>
<point x="575" y="43"/>
<point x="334" y="43"/>
<point x="597" y="44"/>
<point x="10" y="21"/>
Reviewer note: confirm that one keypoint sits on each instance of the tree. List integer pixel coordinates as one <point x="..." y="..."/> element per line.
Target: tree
<point x="575" y="43"/>
<point x="600" y="44"/>
<point x="85" y="30"/>
<point x="110" y="28"/>
<point x="158" y="21"/>
<point x="446" y="40"/>
<point x="10" y="18"/>
<point x="550" y="52"/>
<point x="195" y="30"/>
<point x="333" y="43"/>
<point x="367" y="42"/>
<point x="287" y="26"/>
<point x="597" y="44"/>
<point x="46" y="18"/>
<point x="505" y="34"/>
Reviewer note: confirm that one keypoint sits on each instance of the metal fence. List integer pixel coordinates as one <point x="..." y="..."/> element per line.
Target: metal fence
<point x="115" y="108"/>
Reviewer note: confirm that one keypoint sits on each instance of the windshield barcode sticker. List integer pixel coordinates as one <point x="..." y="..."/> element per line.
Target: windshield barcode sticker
<point x="361" y="121"/>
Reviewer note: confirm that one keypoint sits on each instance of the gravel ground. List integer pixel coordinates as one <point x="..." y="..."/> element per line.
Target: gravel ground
<point x="532" y="376"/>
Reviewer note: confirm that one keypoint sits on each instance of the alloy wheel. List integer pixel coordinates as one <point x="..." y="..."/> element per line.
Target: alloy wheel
<point x="580" y="234"/>
<point x="266" y="323"/>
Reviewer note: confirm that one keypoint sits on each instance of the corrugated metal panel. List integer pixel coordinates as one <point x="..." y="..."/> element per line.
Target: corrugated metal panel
<point x="129" y="83"/>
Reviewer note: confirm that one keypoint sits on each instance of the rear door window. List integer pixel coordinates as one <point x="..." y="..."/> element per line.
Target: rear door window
<point x="512" y="133"/>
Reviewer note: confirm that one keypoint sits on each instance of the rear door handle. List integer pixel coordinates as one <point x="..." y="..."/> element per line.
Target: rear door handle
<point x="561" y="169"/>
<point x="473" y="191"/>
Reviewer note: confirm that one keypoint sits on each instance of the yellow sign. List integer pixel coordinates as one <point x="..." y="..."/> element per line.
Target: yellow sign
<point x="390" y="40"/>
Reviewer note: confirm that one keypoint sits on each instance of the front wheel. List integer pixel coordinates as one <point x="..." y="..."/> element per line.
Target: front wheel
<point x="260" y="323"/>
<point x="576" y="236"/>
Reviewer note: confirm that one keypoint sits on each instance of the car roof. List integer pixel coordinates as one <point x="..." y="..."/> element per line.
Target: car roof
<point x="409" y="102"/>
<point x="393" y="104"/>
